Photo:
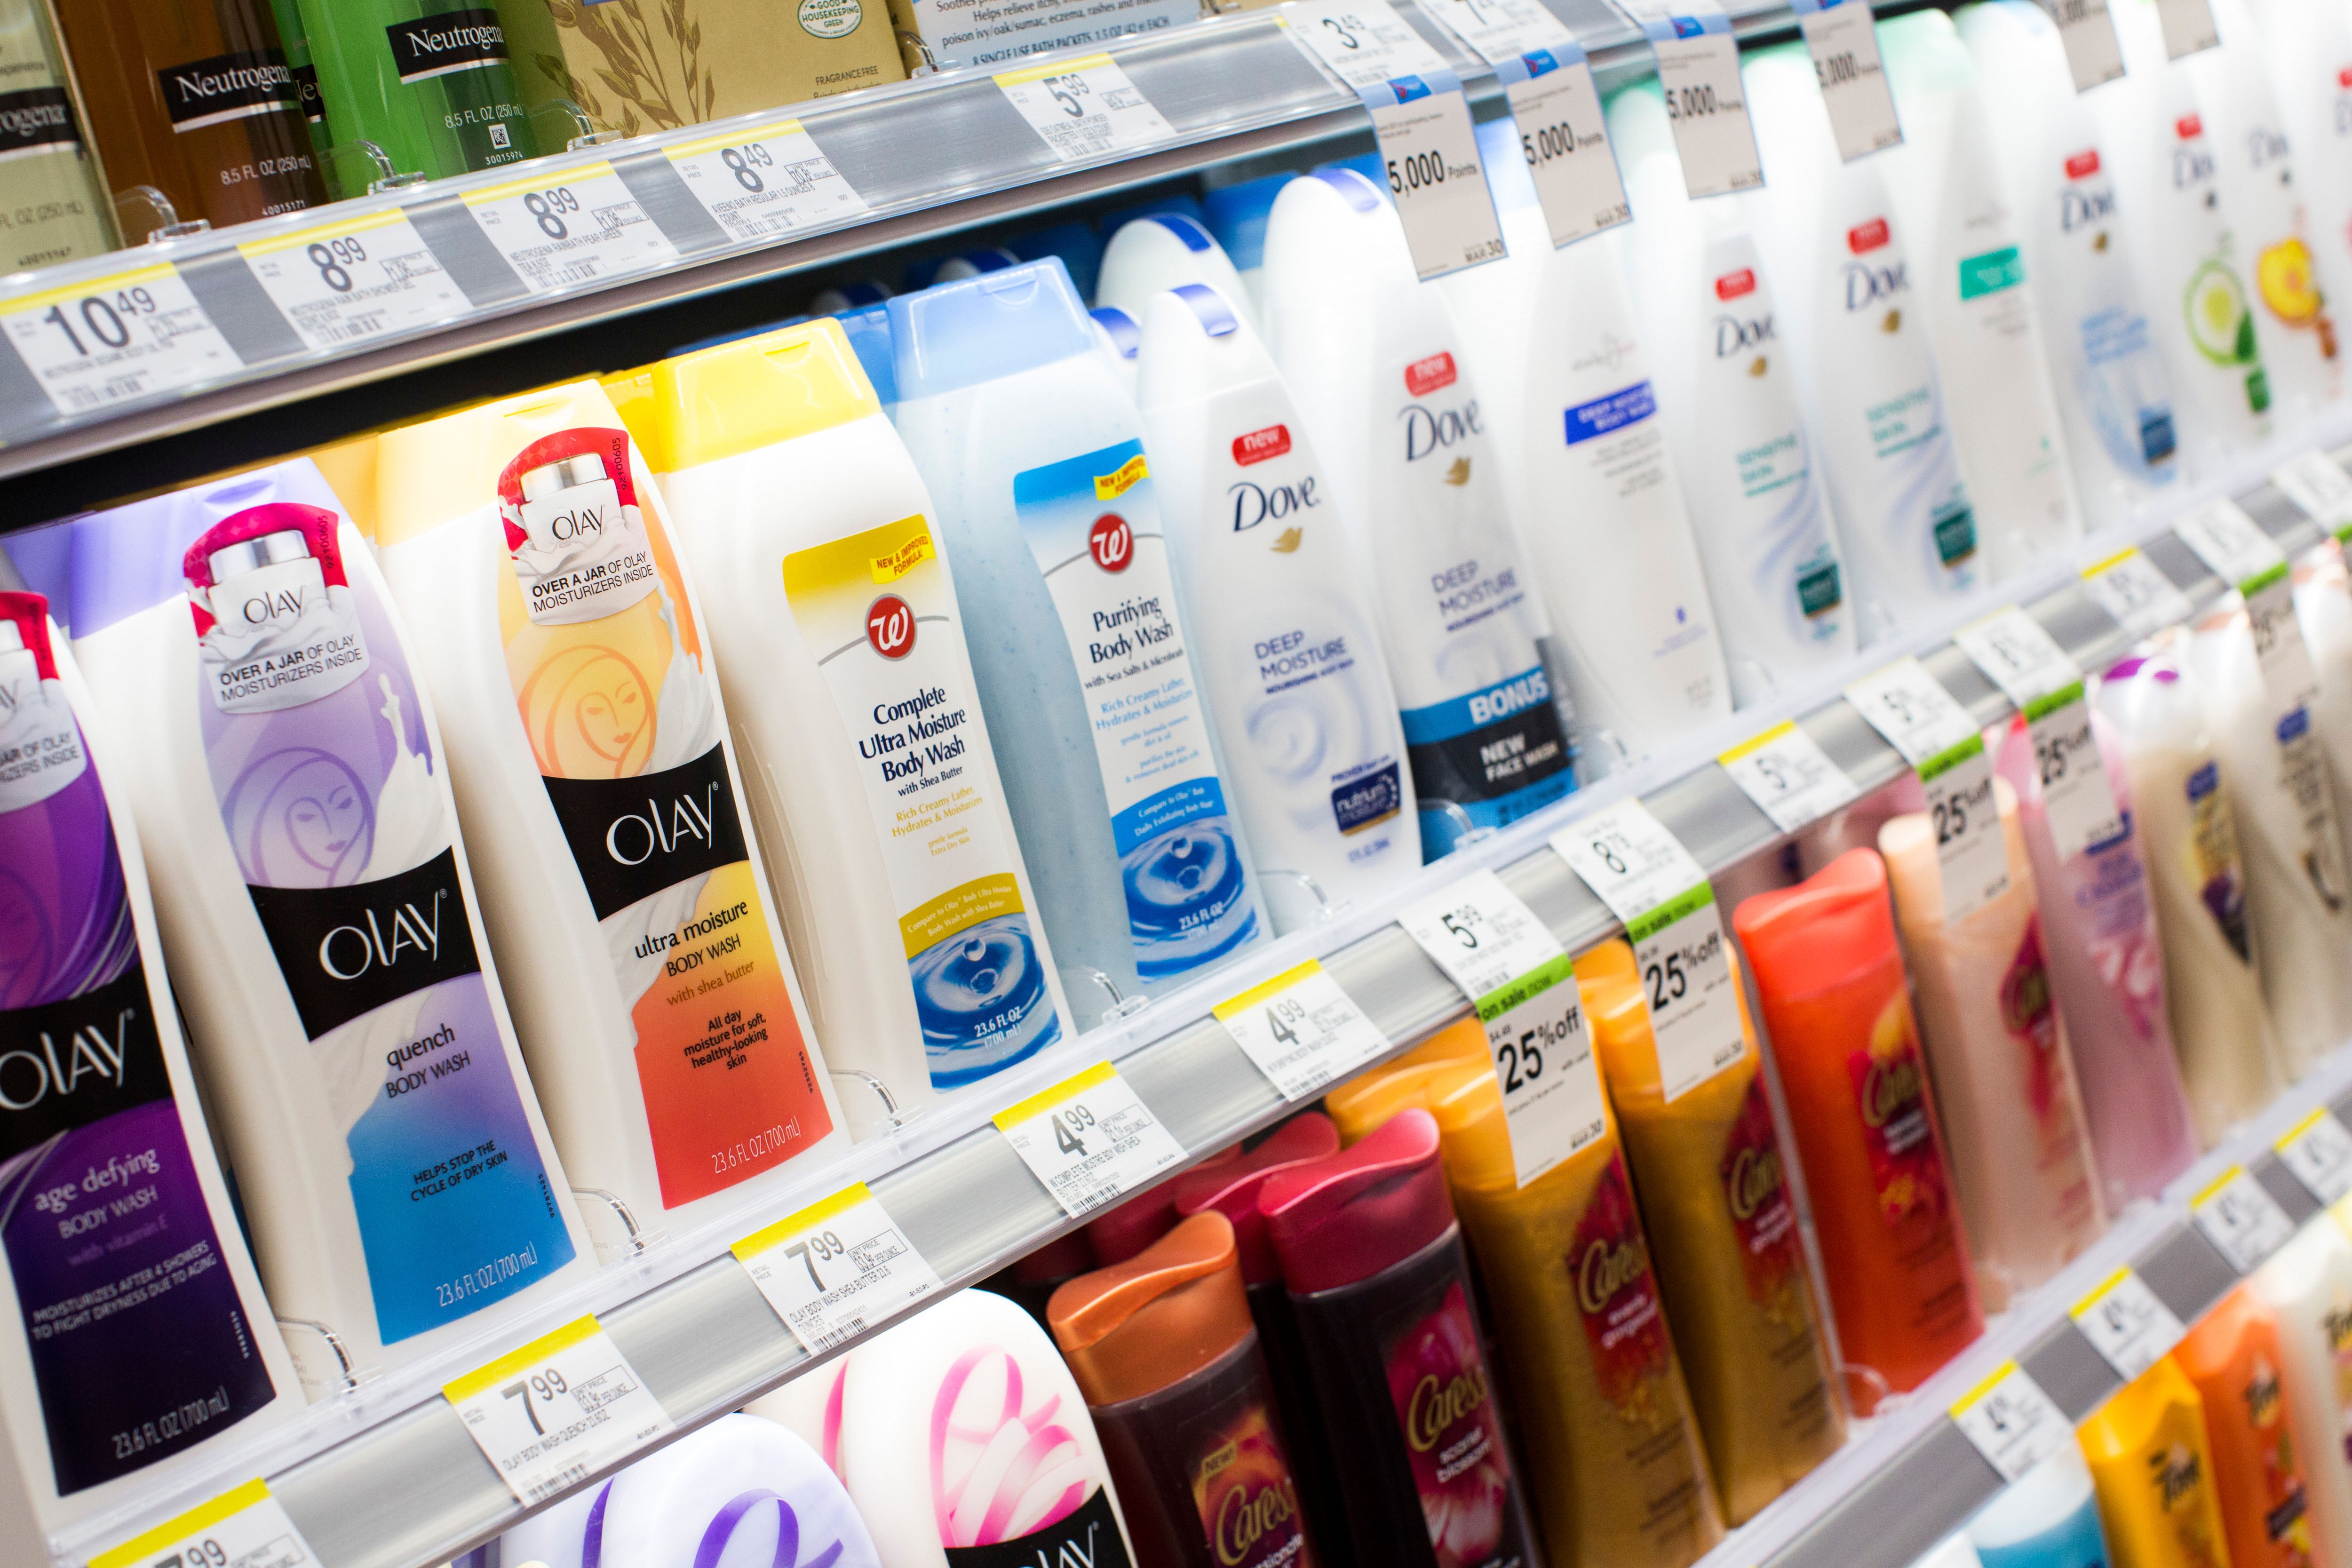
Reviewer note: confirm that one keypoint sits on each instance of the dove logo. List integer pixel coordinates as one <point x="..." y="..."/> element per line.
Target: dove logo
<point x="1255" y="503"/>
<point x="1431" y="430"/>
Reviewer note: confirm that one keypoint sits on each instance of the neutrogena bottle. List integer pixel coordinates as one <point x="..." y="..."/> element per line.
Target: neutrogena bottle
<point x="429" y="82"/>
<point x="51" y="185"/>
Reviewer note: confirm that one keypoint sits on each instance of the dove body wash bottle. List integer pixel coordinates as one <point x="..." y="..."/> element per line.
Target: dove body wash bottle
<point x="319" y="918"/>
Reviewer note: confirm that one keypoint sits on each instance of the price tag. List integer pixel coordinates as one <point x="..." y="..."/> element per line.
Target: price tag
<point x="561" y="231"/>
<point x="2318" y="484"/>
<point x="1844" y="46"/>
<point x="246" y="1528"/>
<point x="2011" y="1422"/>
<point x="2231" y="545"/>
<point x="1090" y="1139"/>
<point x="2187" y="26"/>
<point x="1520" y="980"/>
<point x="2127" y="1323"/>
<point x="1420" y="120"/>
<point x="558" y="1410"/>
<point x="1086" y="107"/>
<point x="1548" y="83"/>
<point x="368" y="278"/>
<point x="837" y="1269"/>
<point x="2036" y="674"/>
<point x="122" y="338"/>
<point x="765" y="181"/>
<point x="2235" y="547"/>
<point x="2242" y="1220"/>
<point x="1937" y="738"/>
<point x="2318" y="1150"/>
<point x="1699" y="70"/>
<point x="1301" y="1031"/>
<point x="1663" y="900"/>
<point x="1785" y="772"/>
<point x="2136" y="592"/>
<point x="2094" y="53"/>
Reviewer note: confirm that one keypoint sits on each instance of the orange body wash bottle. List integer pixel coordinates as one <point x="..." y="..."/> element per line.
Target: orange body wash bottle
<point x="2232" y="1357"/>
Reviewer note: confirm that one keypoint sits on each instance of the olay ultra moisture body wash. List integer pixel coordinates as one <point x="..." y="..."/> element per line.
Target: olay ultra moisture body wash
<point x="319" y="915"/>
<point x="565" y="650"/>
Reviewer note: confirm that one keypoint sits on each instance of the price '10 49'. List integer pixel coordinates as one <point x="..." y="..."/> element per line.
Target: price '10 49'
<point x="102" y="318"/>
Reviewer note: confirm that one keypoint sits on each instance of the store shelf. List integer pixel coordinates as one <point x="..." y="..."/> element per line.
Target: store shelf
<point x="385" y="1477"/>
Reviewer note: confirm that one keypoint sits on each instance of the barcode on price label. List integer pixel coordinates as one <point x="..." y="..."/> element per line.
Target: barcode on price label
<point x="118" y="339"/>
<point x="2318" y="1150"/>
<point x="769" y="180"/>
<point x="2127" y="1323"/>
<point x="559" y="231"/>
<point x="558" y="1410"/>
<point x="2136" y="592"/>
<point x="1085" y="109"/>
<point x="1301" y="1031"/>
<point x="836" y="1268"/>
<point x="367" y="278"/>
<point x="244" y="1527"/>
<point x="2240" y="1218"/>
<point x="2317" y="484"/>
<point x="1089" y="1139"/>
<point x="2011" y="1422"/>
<point x="1843" y="42"/>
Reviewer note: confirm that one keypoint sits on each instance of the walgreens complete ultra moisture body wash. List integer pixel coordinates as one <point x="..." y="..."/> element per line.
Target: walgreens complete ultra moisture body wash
<point x="319" y="915"/>
<point x="108" y="1188"/>
<point x="563" y="646"/>
<point x="1382" y="378"/>
<point x="876" y="789"/>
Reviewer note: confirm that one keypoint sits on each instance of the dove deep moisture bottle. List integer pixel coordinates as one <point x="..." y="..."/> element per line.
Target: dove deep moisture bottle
<point x="106" y="1183"/>
<point x="393" y="1168"/>
<point x="569" y="663"/>
<point x="1388" y="392"/>
<point x="1149" y="255"/>
<point x="1049" y="510"/>
<point x="875" y="781"/>
<point x="1280" y="617"/>
<point x="1236" y="216"/>
<point x="2114" y="393"/>
<point x="1867" y="372"/>
<point x="1729" y="388"/>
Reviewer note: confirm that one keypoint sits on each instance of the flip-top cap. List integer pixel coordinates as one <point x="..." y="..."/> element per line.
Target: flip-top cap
<point x="1232" y="1188"/>
<point x="1828" y="928"/>
<point x="983" y="329"/>
<point x="1346" y="1218"/>
<point x="1138" y="1326"/>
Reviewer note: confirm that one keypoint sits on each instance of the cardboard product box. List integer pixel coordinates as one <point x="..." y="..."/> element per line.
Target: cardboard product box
<point x="987" y="32"/>
<point x="634" y="66"/>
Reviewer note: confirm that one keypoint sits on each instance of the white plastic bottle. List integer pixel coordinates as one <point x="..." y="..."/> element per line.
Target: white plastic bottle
<point x="2322" y="610"/>
<point x="1281" y="620"/>
<point x="1118" y="339"/>
<point x="110" y="1180"/>
<point x="2307" y="45"/>
<point x="562" y="643"/>
<point x="2114" y="393"/>
<point x="1048" y="510"/>
<point x="1392" y="400"/>
<point x="875" y="784"/>
<point x="1758" y="501"/>
<point x="290" y="783"/>
<point x="1866" y="373"/>
<point x="2307" y="1286"/>
<point x="1984" y="310"/>
<point x="1156" y="253"/>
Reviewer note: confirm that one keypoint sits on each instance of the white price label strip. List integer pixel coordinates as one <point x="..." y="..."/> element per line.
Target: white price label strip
<point x="1785" y="772"/>
<point x="836" y="1269"/>
<point x="2011" y="1422"/>
<point x="2242" y="1220"/>
<point x="2017" y="655"/>
<point x="2318" y="1150"/>
<point x="1364" y="43"/>
<point x="122" y="338"/>
<point x="1301" y="1031"/>
<point x="2187" y="26"/>
<point x="1937" y="738"/>
<point x="1699" y="70"/>
<point x="1086" y="107"/>
<point x="2318" y="484"/>
<point x="1663" y="900"/>
<point x="769" y="180"/>
<point x="245" y="1528"/>
<point x="2231" y="545"/>
<point x="583" y="226"/>
<point x="1089" y="1139"/>
<point x="1841" y="37"/>
<point x="2136" y="592"/>
<point x="366" y="278"/>
<point x="560" y="1409"/>
<point x="2033" y="672"/>
<point x="2094" y="53"/>
<point x="2235" y="547"/>
<point x="1519" y="979"/>
<point x="1555" y="106"/>
<point x="2127" y="1323"/>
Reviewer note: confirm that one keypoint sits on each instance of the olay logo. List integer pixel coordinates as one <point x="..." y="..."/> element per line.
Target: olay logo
<point x="1864" y="238"/>
<point x="350" y="951"/>
<point x="1732" y="284"/>
<point x="2083" y="164"/>
<point x="2189" y="128"/>
<point x="1755" y="1181"/>
<point x="1735" y="334"/>
<point x="1259" y="445"/>
<point x="261" y="609"/>
<point x="1437" y="1406"/>
<point x="890" y="627"/>
<point x="578" y="522"/>
<point x="1424" y="376"/>
<point x="1111" y="542"/>
<point x="27" y="1077"/>
<point x="1608" y="1268"/>
<point x="635" y="837"/>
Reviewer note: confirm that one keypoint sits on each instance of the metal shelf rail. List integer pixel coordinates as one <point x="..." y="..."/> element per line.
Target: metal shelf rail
<point x="386" y="1477"/>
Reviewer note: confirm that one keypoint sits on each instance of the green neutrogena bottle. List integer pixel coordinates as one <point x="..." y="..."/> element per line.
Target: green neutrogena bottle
<point x="428" y="81"/>
<point x="53" y="202"/>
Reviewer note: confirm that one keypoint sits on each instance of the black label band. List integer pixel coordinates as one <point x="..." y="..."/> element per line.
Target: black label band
<point x="347" y="950"/>
<point x="1087" y="1537"/>
<point x="1498" y="759"/>
<point x="444" y="42"/>
<point x="227" y="87"/>
<point x="631" y="838"/>
<point x="65" y="1064"/>
<point x="306" y="87"/>
<point x="36" y="119"/>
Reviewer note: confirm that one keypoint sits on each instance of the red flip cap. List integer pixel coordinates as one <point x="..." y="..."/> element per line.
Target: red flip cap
<point x="1232" y="1188"/>
<point x="1120" y="1233"/>
<point x="1343" y="1219"/>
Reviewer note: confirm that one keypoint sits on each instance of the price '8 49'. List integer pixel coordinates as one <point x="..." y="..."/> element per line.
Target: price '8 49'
<point x="1416" y="171"/>
<point x="102" y="318"/>
<point x="745" y="162"/>
<point x="546" y="206"/>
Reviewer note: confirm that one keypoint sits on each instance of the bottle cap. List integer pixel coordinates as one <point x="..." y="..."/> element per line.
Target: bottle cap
<point x="1237" y="215"/>
<point x="1138" y="1326"/>
<point x="1369" y="1099"/>
<point x="1830" y="926"/>
<point x="1232" y="1188"/>
<point x="1473" y="1130"/>
<point x="983" y="329"/>
<point x="1121" y="1232"/>
<point x="1464" y="1041"/>
<point x="753" y="393"/>
<point x="1345" y="1219"/>
<point x="868" y="332"/>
